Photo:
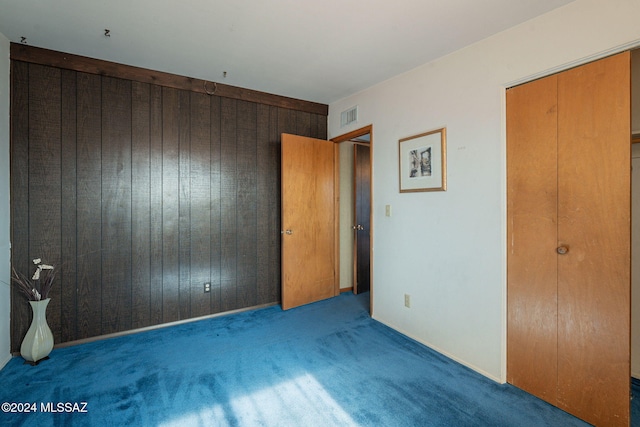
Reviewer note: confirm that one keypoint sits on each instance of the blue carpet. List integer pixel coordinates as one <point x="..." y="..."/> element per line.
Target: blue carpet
<point x="324" y="364"/>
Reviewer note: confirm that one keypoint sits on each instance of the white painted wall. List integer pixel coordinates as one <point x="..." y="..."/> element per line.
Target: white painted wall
<point x="5" y="257"/>
<point x="448" y="249"/>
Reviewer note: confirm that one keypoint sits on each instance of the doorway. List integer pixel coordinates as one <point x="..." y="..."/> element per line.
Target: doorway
<point x="355" y="213"/>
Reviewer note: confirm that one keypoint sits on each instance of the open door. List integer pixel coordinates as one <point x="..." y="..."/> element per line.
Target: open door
<point x="362" y="227"/>
<point x="308" y="221"/>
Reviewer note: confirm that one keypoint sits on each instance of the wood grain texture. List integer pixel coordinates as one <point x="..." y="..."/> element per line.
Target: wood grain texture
<point x="170" y="206"/>
<point x="594" y="158"/>
<point x="45" y="178"/>
<point x="576" y="196"/>
<point x="264" y="164"/>
<point x="116" y="204"/>
<point x="532" y="205"/>
<point x="274" y="200"/>
<point x="228" y="203"/>
<point x="89" y="206"/>
<point x="140" y="205"/>
<point x="215" y="204"/>
<point x="308" y="191"/>
<point x="68" y="212"/>
<point x="200" y="196"/>
<point x="20" y="316"/>
<point x="362" y="189"/>
<point x="247" y="218"/>
<point x="153" y="192"/>
<point x="20" y="52"/>
<point x="156" y="173"/>
<point x="184" y="197"/>
<point x="303" y="123"/>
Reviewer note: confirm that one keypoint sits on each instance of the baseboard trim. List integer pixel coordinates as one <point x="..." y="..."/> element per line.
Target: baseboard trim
<point x="343" y="290"/>
<point x="154" y="327"/>
<point x="444" y="353"/>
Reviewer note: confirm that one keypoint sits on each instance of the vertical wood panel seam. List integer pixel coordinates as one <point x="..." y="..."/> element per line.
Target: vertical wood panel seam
<point x="60" y="276"/>
<point x="187" y="200"/>
<point x="28" y="183"/>
<point x="101" y="204"/>
<point x="256" y="204"/>
<point x="131" y="203"/>
<point x="150" y="216"/>
<point x="254" y="145"/>
<point x="161" y="207"/>
<point x="130" y="278"/>
<point x="219" y="207"/>
<point x="75" y="278"/>
<point x="235" y="201"/>
<point x="97" y="140"/>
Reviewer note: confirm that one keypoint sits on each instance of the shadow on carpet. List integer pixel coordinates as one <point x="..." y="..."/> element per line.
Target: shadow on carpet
<point x="324" y="364"/>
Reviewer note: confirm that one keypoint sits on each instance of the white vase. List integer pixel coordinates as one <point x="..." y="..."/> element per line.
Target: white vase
<point x="38" y="342"/>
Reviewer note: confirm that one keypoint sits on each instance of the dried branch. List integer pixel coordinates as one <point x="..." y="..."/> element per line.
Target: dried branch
<point x="37" y="287"/>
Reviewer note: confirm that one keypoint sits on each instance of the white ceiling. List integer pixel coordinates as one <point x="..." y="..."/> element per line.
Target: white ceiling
<point x="316" y="50"/>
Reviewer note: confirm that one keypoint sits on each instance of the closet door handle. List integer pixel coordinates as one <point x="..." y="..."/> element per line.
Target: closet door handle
<point x="562" y="250"/>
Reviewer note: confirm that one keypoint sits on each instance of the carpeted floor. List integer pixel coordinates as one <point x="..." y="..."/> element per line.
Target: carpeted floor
<point x="325" y="364"/>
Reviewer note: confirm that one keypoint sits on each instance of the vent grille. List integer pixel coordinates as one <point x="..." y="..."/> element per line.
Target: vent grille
<point x="349" y="116"/>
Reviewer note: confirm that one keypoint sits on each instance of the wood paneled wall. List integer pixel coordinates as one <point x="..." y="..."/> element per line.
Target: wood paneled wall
<point x="139" y="194"/>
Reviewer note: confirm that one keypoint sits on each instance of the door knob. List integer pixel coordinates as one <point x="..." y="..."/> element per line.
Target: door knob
<point x="562" y="250"/>
<point x="288" y="232"/>
<point x="358" y="227"/>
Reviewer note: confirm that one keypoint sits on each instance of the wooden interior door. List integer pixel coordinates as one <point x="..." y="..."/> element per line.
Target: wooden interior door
<point x="362" y="190"/>
<point x="594" y="223"/>
<point x="568" y="216"/>
<point x="308" y="221"/>
<point x="532" y="206"/>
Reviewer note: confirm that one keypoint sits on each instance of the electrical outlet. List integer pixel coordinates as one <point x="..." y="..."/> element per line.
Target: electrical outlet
<point x="207" y="287"/>
<point x="407" y="300"/>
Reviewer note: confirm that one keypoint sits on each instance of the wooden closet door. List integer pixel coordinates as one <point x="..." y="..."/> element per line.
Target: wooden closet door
<point x="532" y="236"/>
<point x="594" y="210"/>
<point x="568" y="230"/>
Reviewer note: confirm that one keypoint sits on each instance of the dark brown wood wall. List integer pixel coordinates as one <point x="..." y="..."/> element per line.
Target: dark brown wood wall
<point x="139" y="194"/>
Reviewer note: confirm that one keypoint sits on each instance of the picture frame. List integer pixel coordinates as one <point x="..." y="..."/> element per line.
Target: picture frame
<point x="423" y="162"/>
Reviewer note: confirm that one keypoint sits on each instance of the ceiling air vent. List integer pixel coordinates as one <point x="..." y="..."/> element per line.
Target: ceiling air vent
<point x="349" y="116"/>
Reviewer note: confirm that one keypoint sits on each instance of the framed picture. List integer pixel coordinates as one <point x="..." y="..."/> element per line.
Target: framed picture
<point x="423" y="162"/>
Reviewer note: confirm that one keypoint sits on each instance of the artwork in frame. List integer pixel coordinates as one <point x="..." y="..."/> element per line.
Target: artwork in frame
<point x="423" y="162"/>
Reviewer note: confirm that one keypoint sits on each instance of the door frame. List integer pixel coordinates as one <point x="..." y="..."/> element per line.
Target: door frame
<point x="348" y="137"/>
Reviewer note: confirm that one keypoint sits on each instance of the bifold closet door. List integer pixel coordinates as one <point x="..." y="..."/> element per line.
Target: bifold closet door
<point x="594" y="223"/>
<point x="532" y="209"/>
<point x="568" y="213"/>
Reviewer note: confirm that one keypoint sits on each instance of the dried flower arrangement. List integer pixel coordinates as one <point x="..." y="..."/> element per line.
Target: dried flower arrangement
<point x="37" y="288"/>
